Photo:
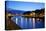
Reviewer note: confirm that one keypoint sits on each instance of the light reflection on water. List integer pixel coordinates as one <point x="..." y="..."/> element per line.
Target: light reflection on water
<point x="22" y="22"/>
<point x="26" y="23"/>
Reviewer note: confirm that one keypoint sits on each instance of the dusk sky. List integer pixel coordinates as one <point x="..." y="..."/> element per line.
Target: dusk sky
<point x="25" y="6"/>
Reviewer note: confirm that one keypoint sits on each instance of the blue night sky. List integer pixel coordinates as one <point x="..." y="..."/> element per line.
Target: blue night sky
<point x="26" y="6"/>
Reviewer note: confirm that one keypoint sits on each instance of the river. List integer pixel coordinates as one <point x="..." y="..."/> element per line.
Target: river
<point x="27" y="23"/>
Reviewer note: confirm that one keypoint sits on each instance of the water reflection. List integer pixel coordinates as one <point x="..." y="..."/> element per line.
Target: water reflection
<point x="28" y="22"/>
<point x="39" y="23"/>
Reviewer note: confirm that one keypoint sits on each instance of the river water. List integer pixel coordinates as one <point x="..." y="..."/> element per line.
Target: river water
<point x="27" y="23"/>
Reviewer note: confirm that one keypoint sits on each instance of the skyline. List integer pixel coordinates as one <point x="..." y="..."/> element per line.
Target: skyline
<point x="25" y="6"/>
